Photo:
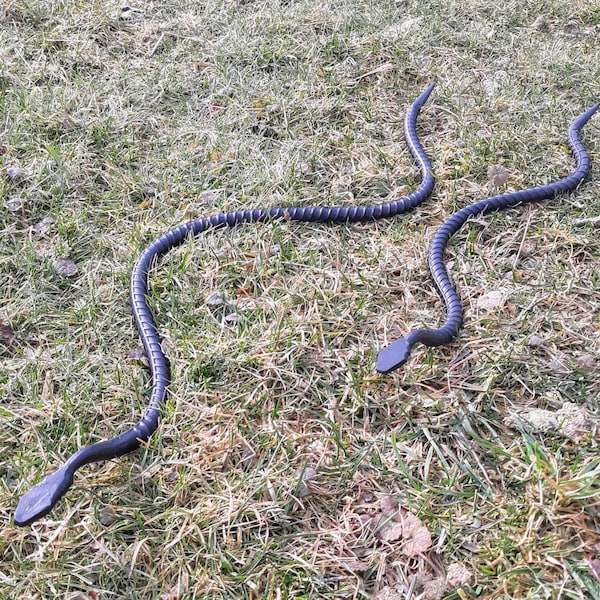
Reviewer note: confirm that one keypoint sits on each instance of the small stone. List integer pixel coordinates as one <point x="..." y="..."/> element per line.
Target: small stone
<point x="572" y="28"/>
<point x="139" y="355"/>
<point x="303" y="169"/>
<point x="131" y="14"/>
<point x="14" y="204"/>
<point x="209" y="197"/>
<point x="309" y="473"/>
<point x="65" y="267"/>
<point x="344" y="194"/>
<point x="215" y="300"/>
<point x="7" y="334"/>
<point x="365" y="518"/>
<point x="498" y="175"/>
<point x="44" y="225"/>
<point x="149" y="191"/>
<point x="233" y="318"/>
<point x="389" y="506"/>
<point x="274" y="250"/>
<point x="490" y="300"/>
<point x="303" y="491"/>
<point x="541" y="24"/>
<point x="534" y="340"/>
<point x="107" y="516"/>
<point x="15" y="172"/>
<point x="305" y="474"/>
<point x="586" y="362"/>
<point x="557" y="366"/>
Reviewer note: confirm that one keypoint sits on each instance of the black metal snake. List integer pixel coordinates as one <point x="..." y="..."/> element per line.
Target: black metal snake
<point x="40" y="499"/>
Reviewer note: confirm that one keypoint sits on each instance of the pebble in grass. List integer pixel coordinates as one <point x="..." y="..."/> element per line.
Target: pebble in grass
<point x="571" y="420"/>
<point x="14" y="204"/>
<point x="45" y="225"/>
<point x="216" y="300"/>
<point x="65" y="267"/>
<point x="498" y="175"/>
<point x="15" y="172"/>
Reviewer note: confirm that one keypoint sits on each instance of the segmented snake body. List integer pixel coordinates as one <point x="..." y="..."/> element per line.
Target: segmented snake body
<point x="397" y="353"/>
<point x="40" y="499"/>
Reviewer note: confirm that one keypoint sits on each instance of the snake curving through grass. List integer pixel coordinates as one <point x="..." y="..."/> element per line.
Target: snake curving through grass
<point x="41" y="498"/>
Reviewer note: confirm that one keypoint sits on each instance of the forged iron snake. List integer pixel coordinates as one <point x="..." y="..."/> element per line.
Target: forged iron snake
<point x="41" y="498"/>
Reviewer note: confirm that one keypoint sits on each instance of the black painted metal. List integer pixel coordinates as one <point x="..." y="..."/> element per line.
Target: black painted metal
<point x="40" y="499"/>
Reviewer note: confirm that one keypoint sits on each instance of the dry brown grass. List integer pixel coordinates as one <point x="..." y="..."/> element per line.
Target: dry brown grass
<point x="272" y="473"/>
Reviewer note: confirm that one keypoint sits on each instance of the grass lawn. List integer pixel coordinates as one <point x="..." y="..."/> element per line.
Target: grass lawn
<point x="284" y="466"/>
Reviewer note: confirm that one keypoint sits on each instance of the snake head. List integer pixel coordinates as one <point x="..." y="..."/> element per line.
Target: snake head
<point x="393" y="356"/>
<point x="41" y="498"/>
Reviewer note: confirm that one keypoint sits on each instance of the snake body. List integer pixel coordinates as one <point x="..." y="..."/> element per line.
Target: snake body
<point x="397" y="353"/>
<point x="41" y="498"/>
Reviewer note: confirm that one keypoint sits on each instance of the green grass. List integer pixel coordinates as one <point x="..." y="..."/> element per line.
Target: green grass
<point x="127" y="122"/>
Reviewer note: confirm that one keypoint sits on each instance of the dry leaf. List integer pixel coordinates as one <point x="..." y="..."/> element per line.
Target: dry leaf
<point x="418" y="544"/>
<point x="389" y="506"/>
<point x="417" y="538"/>
<point x="392" y="533"/>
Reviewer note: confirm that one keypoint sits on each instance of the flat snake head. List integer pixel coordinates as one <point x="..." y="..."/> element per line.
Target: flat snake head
<point x="41" y="498"/>
<point x="393" y="356"/>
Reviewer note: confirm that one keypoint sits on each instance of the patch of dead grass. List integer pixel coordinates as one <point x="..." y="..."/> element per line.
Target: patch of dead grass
<point x="126" y="122"/>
